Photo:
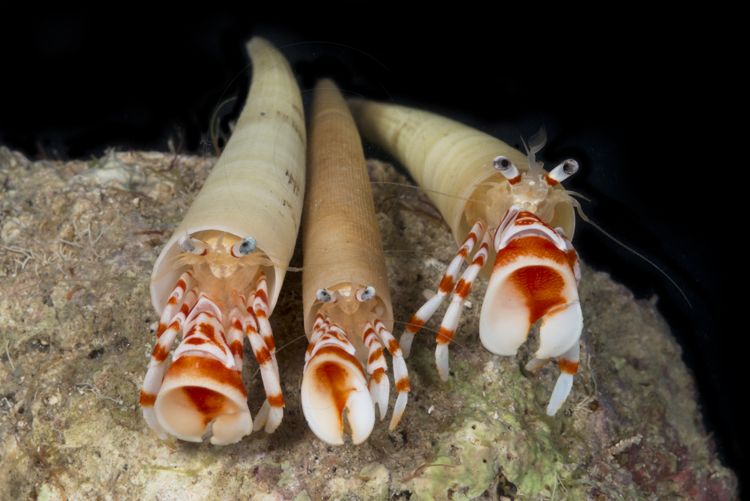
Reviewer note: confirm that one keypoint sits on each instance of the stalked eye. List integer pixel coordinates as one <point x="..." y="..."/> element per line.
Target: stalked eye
<point x="365" y="293"/>
<point x="193" y="246"/>
<point x="324" y="296"/>
<point x="244" y="247"/>
<point x="507" y="168"/>
<point x="563" y="171"/>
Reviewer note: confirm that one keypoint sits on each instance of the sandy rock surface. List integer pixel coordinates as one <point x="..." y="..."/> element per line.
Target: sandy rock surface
<point x="77" y="243"/>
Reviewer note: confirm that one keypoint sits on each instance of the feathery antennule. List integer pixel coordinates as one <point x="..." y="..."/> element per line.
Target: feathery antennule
<point x="534" y="146"/>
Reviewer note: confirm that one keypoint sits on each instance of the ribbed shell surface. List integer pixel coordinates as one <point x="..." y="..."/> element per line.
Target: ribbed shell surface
<point x="257" y="186"/>
<point x="341" y="240"/>
<point x="446" y="158"/>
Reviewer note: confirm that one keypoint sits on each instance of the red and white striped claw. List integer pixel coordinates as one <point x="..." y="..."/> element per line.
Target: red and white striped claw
<point x="334" y="387"/>
<point x="534" y="277"/>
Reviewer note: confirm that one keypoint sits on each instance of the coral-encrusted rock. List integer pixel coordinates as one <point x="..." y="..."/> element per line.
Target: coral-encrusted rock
<point x="77" y="243"/>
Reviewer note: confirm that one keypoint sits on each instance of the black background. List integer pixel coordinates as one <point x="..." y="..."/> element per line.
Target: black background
<point x="636" y="101"/>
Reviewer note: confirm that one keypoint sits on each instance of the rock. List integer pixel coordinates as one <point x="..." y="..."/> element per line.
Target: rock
<point x="78" y="243"/>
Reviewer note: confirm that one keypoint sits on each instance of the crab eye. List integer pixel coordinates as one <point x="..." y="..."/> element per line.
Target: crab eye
<point x="244" y="247"/>
<point x="324" y="296"/>
<point x="507" y="168"/>
<point x="193" y="246"/>
<point x="563" y="171"/>
<point x="365" y="293"/>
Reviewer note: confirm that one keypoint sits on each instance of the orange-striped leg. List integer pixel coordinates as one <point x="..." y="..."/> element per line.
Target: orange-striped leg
<point x="334" y="386"/>
<point x="262" y="311"/>
<point x="173" y="316"/>
<point x="447" y="284"/>
<point x="236" y="336"/>
<point x="377" y="368"/>
<point x="205" y="334"/>
<point x="258" y="331"/>
<point x="453" y="313"/>
<point x="400" y="373"/>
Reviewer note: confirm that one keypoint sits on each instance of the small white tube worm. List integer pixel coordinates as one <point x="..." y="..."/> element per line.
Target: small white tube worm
<point x="228" y="258"/>
<point x="516" y="215"/>
<point x="346" y="300"/>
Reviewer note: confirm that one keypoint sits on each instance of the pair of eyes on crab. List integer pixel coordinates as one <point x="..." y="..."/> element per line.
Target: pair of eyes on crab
<point x="561" y="172"/>
<point x="243" y="248"/>
<point x="362" y="295"/>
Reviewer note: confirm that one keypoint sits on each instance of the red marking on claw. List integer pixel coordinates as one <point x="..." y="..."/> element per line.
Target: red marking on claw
<point x="538" y="247"/>
<point x="208" y="402"/>
<point x="209" y="368"/>
<point x="542" y="288"/>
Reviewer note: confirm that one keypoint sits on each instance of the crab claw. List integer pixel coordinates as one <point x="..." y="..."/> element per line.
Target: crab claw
<point x="531" y="280"/>
<point x="334" y="382"/>
<point x="200" y="395"/>
<point x="535" y="277"/>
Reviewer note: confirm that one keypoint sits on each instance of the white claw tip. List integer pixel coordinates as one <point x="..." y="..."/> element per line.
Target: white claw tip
<point x="441" y="358"/>
<point x="405" y="343"/>
<point x="398" y="410"/>
<point x="560" y="393"/>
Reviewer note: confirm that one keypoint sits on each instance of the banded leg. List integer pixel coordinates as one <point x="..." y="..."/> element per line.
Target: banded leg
<point x="400" y="373"/>
<point x="272" y="411"/>
<point x="453" y="313"/>
<point x="236" y="337"/>
<point x="170" y="324"/>
<point x="261" y="310"/>
<point x="376" y="368"/>
<point x="446" y="286"/>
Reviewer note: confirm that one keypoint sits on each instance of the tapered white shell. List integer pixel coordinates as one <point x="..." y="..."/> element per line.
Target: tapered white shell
<point x="449" y="160"/>
<point x="341" y="240"/>
<point x="257" y="186"/>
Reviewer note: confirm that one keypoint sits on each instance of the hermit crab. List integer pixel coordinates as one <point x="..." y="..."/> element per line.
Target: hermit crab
<point x="218" y="277"/>
<point x="347" y="304"/>
<point x="502" y="202"/>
